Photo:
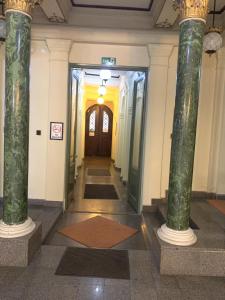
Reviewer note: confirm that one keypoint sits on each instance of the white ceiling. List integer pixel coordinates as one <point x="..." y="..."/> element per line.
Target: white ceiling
<point x="132" y="15"/>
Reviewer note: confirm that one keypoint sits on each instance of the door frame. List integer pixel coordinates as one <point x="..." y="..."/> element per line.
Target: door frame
<point x="99" y="67"/>
<point x="142" y="138"/>
<point x="68" y="135"/>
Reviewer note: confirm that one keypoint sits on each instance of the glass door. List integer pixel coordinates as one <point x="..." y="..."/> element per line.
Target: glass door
<point x="136" y="146"/>
<point x="71" y="144"/>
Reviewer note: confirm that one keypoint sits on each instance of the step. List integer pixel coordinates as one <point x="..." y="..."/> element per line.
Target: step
<point x="205" y="258"/>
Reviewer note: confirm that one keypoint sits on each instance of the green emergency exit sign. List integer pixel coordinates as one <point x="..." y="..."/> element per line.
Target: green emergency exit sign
<point x="109" y="61"/>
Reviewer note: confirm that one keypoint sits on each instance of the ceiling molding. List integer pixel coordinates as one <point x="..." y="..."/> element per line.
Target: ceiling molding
<point x="114" y="7"/>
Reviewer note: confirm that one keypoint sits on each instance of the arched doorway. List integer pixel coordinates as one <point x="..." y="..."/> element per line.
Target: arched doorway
<point x="98" y="131"/>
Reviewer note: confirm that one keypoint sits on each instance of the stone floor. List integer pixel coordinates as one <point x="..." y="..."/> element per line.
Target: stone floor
<point x="138" y="242"/>
<point x="38" y="281"/>
<point x="120" y="206"/>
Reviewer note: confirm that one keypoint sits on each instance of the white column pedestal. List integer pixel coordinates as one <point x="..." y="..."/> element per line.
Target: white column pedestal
<point x="177" y="237"/>
<point x="14" y="231"/>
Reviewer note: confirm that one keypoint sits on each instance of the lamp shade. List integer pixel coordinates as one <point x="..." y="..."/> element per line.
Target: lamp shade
<point x="212" y="42"/>
<point x="102" y="90"/>
<point x="100" y="100"/>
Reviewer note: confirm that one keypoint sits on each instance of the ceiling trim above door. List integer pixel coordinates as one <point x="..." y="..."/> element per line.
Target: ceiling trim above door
<point x="128" y="8"/>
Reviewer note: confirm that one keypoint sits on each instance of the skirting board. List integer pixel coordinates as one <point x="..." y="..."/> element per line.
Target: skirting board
<point x="41" y="202"/>
<point x="195" y="196"/>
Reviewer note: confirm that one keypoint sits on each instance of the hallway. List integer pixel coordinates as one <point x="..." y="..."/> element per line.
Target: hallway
<point x="82" y="209"/>
<point x="107" y="206"/>
<point x="112" y="150"/>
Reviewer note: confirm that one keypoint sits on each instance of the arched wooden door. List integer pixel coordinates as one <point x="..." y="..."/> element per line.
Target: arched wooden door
<point x="98" y="132"/>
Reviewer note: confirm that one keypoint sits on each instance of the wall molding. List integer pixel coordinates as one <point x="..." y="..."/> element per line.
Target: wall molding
<point x="196" y="195"/>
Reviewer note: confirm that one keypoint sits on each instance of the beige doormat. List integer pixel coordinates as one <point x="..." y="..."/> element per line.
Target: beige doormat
<point x="98" y="232"/>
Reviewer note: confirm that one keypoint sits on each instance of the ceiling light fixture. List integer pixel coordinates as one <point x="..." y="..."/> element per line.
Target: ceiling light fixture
<point x="213" y="40"/>
<point x="2" y="23"/>
<point x="102" y="90"/>
<point x="100" y="100"/>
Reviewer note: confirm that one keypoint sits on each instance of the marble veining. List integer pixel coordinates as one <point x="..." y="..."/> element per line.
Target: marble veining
<point x="16" y="130"/>
<point x="184" y="124"/>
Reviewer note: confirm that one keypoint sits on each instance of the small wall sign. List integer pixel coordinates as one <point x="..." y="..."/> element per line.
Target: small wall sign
<point x="56" y="131"/>
<point x="109" y="61"/>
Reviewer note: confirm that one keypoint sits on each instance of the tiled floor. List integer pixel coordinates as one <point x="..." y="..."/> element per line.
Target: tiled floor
<point x="99" y="206"/>
<point x="39" y="281"/>
<point x="137" y="242"/>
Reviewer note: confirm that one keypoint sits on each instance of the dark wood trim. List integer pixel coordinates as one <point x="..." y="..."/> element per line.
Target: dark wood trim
<point x="217" y="12"/>
<point x="114" y="7"/>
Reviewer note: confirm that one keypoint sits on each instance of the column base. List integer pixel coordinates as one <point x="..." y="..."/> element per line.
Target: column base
<point x="176" y="237"/>
<point x="14" y="231"/>
<point x="19" y="251"/>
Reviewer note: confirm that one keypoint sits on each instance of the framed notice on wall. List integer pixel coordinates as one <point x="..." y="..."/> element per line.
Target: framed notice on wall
<point x="56" y="131"/>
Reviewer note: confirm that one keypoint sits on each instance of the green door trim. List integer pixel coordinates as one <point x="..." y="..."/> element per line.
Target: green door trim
<point x="68" y="135"/>
<point x="138" y="207"/>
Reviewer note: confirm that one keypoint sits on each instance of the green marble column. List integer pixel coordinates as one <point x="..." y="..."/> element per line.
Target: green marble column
<point x="184" y="124"/>
<point x="16" y="128"/>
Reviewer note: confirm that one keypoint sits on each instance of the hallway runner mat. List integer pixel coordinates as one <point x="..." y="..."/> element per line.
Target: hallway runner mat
<point x="113" y="264"/>
<point x="100" y="191"/>
<point x="98" y="232"/>
<point x="98" y="172"/>
<point x="218" y="204"/>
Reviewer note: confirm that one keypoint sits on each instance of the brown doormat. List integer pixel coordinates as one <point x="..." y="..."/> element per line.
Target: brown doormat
<point x="113" y="264"/>
<point x="100" y="191"/>
<point x="98" y="232"/>
<point x="98" y="172"/>
<point x="219" y="204"/>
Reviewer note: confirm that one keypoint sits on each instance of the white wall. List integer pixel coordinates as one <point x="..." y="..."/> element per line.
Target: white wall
<point x="49" y="70"/>
<point x="124" y="124"/>
<point x="216" y="179"/>
<point x="39" y="106"/>
<point x="125" y="55"/>
<point x="204" y="125"/>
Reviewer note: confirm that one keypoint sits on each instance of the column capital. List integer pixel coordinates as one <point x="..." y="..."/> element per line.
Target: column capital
<point x="193" y="9"/>
<point x="23" y="6"/>
<point x="160" y="53"/>
<point x="59" y="49"/>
